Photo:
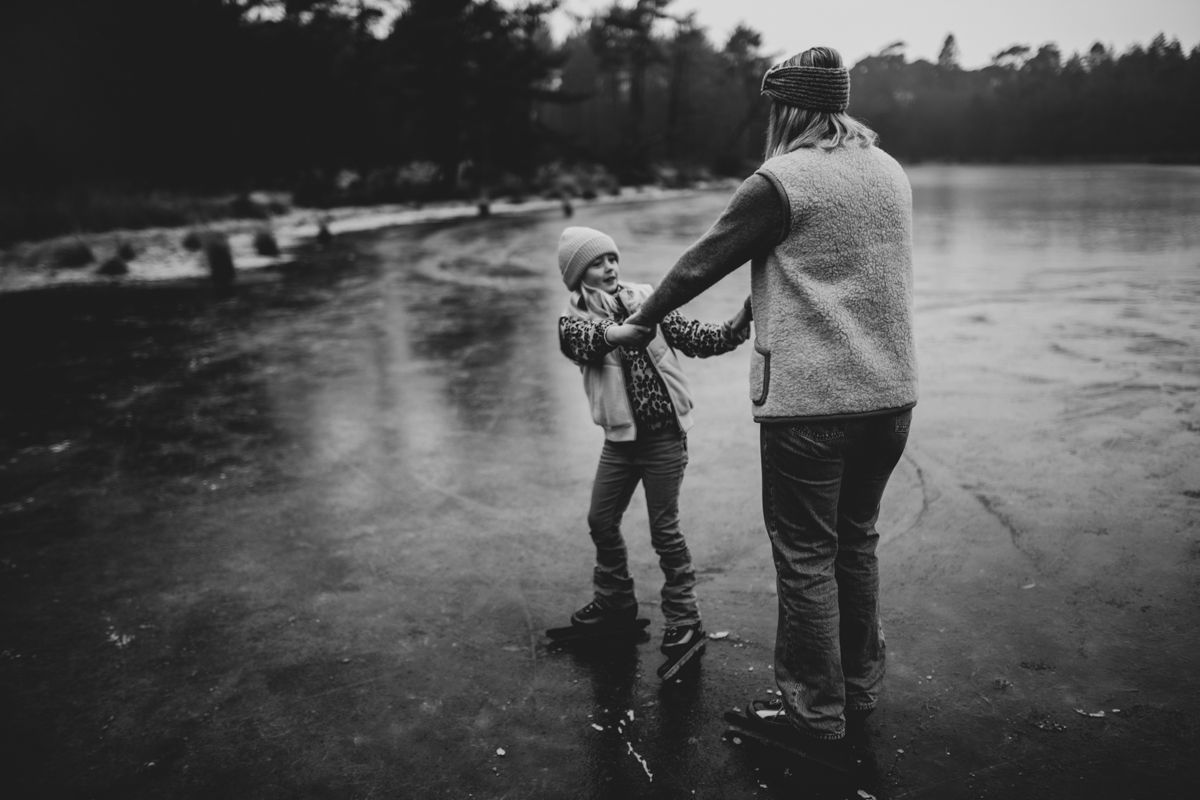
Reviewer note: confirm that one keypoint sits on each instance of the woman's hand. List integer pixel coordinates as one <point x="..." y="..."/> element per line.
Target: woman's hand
<point x="627" y="335"/>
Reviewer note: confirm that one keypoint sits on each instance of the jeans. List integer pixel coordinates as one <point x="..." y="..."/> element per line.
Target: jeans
<point x="822" y="483"/>
<point x="657" y="461"/>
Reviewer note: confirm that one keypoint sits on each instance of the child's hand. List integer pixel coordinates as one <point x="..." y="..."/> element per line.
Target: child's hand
<point x="628" y="335"/>
<point x="739" y="324"/>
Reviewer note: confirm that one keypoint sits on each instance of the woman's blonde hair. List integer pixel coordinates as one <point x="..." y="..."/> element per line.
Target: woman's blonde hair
<point x="789" y="127"/>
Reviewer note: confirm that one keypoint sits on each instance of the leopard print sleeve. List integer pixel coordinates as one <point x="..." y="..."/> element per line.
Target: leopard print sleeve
<point x="582" y="340"/>
<point x="697" y="339"/>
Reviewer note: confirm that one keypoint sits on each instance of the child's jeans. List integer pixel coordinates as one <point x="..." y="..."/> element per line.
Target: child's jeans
<point x="658" y="461"/>
<point x="822" y="483"/>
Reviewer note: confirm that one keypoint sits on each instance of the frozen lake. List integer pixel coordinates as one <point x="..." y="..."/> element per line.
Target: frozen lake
<point x="304" y="543"/>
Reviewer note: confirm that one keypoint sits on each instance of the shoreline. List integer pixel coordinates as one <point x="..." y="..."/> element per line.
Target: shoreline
<point x="162" y="258"/>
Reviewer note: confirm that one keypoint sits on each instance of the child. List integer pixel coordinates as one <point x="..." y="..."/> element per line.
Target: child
<point x="639" y="395"/>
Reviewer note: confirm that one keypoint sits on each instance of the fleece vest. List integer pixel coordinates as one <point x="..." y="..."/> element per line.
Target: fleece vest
<point x="604" y="383"/>
<point x="833" y="301"/>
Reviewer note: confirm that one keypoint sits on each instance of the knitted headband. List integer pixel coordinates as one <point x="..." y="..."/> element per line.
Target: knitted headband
<point x="816" y="88"/>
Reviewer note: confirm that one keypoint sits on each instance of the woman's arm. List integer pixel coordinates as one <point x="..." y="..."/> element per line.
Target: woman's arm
<point x="753" y="223"/>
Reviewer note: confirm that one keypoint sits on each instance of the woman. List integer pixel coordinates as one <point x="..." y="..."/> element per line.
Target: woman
<point x="826" y="223"/>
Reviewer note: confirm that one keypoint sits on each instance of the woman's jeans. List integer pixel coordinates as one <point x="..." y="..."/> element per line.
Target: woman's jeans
<point x="822" y="483"/>
<point x="658" y="461"/>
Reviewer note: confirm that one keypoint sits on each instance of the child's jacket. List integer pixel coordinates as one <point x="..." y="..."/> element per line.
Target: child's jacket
<point x="607" y="370"/>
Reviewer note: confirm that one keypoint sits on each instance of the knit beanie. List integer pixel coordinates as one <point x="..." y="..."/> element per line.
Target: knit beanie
<point x="577" y="247"/>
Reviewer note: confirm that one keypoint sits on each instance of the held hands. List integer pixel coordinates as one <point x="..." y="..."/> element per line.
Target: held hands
<point x="627" y="335"/>
<point x="739" y="323"/>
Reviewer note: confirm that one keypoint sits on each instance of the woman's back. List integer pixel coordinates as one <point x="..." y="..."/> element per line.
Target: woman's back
<point x="833" y="301"/>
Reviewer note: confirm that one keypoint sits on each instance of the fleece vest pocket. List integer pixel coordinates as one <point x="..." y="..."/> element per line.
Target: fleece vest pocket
<point x="760" y="375"/>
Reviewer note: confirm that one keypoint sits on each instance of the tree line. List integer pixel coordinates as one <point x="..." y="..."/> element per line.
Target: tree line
<point x="428" y="98"/>
<point x="1137" y="105"/>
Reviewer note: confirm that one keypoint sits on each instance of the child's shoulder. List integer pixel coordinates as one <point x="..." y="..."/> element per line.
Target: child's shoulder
<point x="574" y="309"/>
<point x="635" y="291"/>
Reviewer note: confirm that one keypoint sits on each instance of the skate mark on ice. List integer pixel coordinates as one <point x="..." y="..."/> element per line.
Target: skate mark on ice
<point x="912" y="516"/>
<point x="1016" y="534"/>
<point x="620" y="726"/>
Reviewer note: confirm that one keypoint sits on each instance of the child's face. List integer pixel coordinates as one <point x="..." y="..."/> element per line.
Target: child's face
<point x="603" y="273"/>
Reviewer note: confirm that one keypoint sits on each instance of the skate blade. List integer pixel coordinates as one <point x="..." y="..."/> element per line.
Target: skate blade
<point x="666" y="672"/>
<point x="578" y="633"/>
<point x="740" y="729"/>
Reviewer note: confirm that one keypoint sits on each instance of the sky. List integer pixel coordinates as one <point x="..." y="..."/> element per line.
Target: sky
<point x="981" y="29"/>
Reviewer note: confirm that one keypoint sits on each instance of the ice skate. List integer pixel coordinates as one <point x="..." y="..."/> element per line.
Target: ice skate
<point x="596" y="622"/>
<point x="681" y="645"/>
<point x="763" y="722"/>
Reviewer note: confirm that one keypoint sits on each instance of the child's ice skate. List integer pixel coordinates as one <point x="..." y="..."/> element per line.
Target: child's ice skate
<point x="597" y="622"/>
<point x="681" y="645"/>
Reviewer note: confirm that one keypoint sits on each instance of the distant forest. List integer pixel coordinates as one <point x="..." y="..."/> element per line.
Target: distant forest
<point x="369" y="100"/>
